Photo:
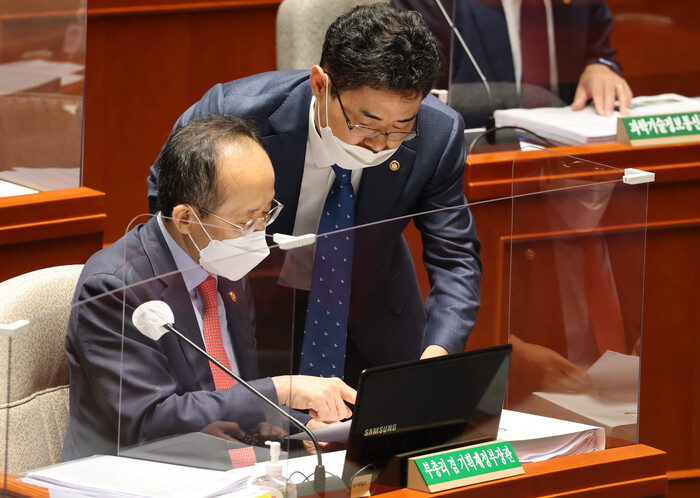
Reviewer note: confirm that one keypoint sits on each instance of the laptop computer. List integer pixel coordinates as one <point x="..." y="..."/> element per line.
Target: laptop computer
<point x="423" y="406"/>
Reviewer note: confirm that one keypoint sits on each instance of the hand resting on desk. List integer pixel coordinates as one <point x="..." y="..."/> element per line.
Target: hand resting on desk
<point x="603" y="85"/>
<point x="324" y="398"/>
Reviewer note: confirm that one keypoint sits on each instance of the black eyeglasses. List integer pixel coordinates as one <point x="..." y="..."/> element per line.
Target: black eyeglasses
<point x="266" y="219"/>
<point x="364" y="132"/>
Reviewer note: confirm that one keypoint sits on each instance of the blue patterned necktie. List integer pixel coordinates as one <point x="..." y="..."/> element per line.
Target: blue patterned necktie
<point x="325" y="334"/>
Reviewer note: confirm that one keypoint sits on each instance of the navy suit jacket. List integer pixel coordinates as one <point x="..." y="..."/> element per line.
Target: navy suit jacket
<point x="387" y="318"/>
<point x="581" y="35"/>
<point x="166" y="386"/>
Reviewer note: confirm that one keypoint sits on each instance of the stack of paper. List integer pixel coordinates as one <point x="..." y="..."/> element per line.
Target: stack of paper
<point x="567" y="127"/>
<point x="535" y="438"/>
<point x="611" y="403"/>
<point x="41" y="179"/>
<point x="113" y="476"/>
<point x="65" y="71"/>
<point x="8" y="189"/>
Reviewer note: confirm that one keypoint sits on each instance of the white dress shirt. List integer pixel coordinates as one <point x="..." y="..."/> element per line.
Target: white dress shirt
<point x="193" y="275"/>
<point x="511" y="8"/>
<point x="316" y="182"/>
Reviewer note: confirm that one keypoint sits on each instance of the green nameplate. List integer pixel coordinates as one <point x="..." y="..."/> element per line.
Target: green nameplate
<point x="660" y="129"/>
<point x="461" y="467"/>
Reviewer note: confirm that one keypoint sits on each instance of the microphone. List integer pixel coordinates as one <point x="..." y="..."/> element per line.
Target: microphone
<point x="155" y="318"/>
<point x="490" y="121"/>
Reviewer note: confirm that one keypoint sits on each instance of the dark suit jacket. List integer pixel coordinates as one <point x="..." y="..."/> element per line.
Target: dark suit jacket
<point x="387" y="317"/>
<point x="581" y="34"/>
<point x="166" y="387"/>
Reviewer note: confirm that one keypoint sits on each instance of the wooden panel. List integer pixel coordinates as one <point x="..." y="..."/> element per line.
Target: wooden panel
<point x="658" y="44"/>
<point x="147" y="62"/>
<point x="683" y="483"/>
<point x="635" y="470"/>
<point x="49" y="228"/>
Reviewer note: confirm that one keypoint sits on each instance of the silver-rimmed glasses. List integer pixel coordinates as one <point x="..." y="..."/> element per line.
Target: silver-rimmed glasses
<point x="364" y="132"/>
<point x="252" y="225"/>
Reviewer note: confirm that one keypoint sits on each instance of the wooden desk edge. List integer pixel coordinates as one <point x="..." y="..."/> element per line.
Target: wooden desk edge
<point x="15" y="487"/>
<point x="654" y="471"/>
<point x="649" y="472"/>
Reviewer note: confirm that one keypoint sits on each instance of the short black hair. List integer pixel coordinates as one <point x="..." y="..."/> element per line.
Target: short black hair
<point x="383" y="48"/>
<point x="187" y="169"/>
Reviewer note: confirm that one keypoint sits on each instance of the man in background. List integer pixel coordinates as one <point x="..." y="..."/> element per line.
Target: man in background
<point x="533" y="53"/>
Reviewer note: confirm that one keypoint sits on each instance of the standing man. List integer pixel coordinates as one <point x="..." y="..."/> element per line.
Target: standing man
<point x="359" y="139"/>
<point x="216" y="198"/>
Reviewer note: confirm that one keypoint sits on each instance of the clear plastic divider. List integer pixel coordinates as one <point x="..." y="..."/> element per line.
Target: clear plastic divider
<point x="42" y="69"/>
<point x="184" y="409"/>
<point x="157" y="399"/>
<point x="576" y="287"/>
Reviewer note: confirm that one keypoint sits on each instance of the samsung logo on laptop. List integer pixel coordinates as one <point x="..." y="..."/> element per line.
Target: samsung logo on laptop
<point x="382" y="429"/>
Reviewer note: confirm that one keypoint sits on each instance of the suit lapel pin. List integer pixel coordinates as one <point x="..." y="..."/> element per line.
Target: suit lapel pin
<point x="394" y="165"/>
<point x="233" y="296"/>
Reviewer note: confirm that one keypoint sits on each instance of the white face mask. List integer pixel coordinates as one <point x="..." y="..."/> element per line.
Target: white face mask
<point x="345" y="155"/>
<point x="232" y="258"/>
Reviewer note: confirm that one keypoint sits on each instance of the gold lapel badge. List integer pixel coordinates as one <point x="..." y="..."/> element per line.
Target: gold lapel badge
<point x="233" y="296"/>
<point x="394" y="165"/>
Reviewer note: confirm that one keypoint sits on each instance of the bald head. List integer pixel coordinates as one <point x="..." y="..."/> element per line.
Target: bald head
<point x="245" y="179"/>
<point x="192" y="156"/>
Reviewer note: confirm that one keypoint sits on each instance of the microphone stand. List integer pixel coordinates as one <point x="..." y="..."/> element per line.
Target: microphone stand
<point x="319" y="471"/>
<point x="490" y="124"/>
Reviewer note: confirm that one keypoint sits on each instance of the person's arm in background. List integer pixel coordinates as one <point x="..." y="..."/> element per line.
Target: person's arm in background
<point x="601" y="80"/>
<point x="541" y="368"/>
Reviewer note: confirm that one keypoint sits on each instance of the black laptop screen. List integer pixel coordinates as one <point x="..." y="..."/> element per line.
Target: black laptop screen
<point x="424" y="406"/>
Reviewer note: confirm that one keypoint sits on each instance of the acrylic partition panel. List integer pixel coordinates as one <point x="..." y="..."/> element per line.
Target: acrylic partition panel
<point x="42" y="68"/>
<point x="171" y="404"/>
<point x="576" y="289"/>
<point x="131" y="394"/>
<point x="166" y="399"/>
<point x="368" y="272"/>
<point x="153" y="398"/>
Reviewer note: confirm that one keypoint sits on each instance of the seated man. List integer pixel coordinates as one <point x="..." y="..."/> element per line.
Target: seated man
<point x="216" y="191"/>
<point x="533" y="53"/>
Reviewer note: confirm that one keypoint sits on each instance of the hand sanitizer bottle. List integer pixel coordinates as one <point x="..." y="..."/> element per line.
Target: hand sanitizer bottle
<point x="279" y="486"/>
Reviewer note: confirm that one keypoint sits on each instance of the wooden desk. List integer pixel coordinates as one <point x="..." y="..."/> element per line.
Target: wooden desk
<point x="50" y="228"/>
<point x="635" y="470"/>
<point x="669" y="415"/>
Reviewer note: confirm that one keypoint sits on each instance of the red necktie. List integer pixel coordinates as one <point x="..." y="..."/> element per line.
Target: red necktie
<point x="603" y="307"/>
<point x="212" y="334"/>
<point x="534" y="49"/>
<point x="242" y="457"/>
